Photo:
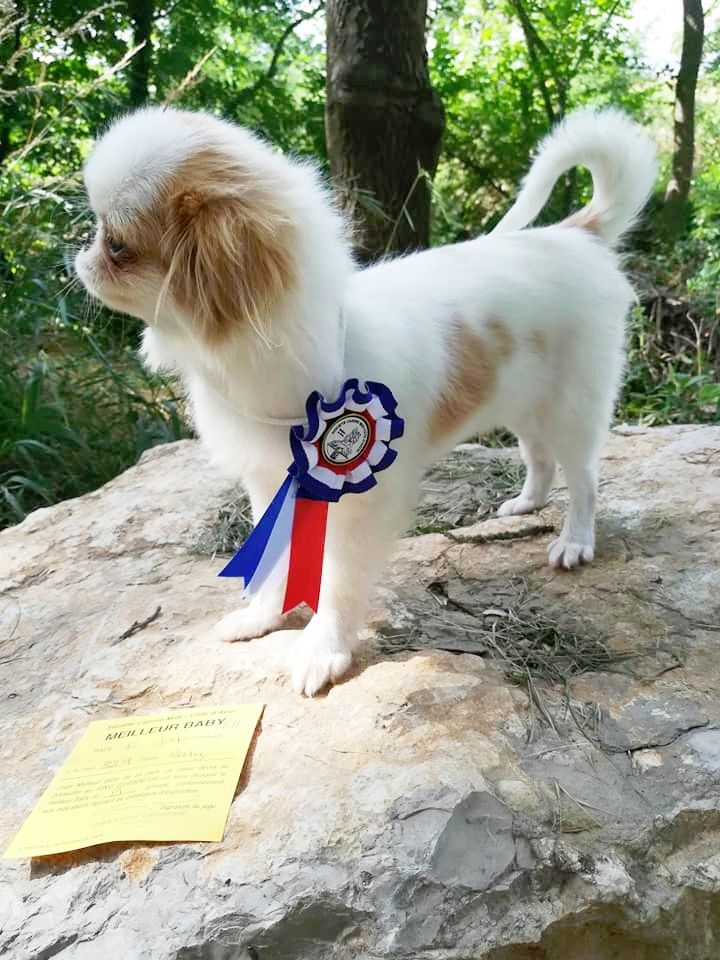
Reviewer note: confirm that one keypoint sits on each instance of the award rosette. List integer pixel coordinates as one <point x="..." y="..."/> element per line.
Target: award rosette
<point x="341" y="447"/>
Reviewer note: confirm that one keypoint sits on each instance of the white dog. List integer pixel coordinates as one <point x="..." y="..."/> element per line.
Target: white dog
<point x="238" y="262"/>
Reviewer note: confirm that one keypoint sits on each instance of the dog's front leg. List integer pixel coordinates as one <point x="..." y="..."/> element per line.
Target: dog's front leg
<point x="263" y="613"/>
<point x="361" y="531"/>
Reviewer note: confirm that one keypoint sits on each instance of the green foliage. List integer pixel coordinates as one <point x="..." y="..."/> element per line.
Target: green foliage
<point x="702" y="250"/>
<point x="506" y="71"/>
<point x="667" y="385"/>
<point x="73" y="416"/>
<point x="255" y="69"/>
<point x="674" y="342"/>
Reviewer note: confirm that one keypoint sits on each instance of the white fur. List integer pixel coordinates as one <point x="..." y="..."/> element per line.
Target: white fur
<point x="620" y="157"/>
<point x="398" y="317"/>
<point x="137" y="152"/>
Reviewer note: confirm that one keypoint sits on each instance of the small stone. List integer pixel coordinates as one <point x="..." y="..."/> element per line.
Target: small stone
<point x="647" y="759"/>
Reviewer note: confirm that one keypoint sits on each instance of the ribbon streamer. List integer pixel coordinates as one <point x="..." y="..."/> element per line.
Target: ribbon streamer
<point x="307" y="548"/>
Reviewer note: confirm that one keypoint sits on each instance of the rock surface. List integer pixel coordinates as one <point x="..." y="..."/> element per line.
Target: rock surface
<point x="524" y="766"/>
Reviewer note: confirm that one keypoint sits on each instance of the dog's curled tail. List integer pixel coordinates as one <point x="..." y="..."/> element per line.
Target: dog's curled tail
<point x="621" y="158"/>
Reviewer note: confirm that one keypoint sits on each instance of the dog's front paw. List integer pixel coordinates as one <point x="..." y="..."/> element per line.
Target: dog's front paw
<point x="568" y="554"/>
<point x="246" y="624"/>
<point x="311" y="673"/>
<point x="319" y="659"/>
<point x="517" y="506"/>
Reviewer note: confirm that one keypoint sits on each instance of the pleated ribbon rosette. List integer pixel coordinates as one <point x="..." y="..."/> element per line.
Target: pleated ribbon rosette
<point x="339" y="450"/>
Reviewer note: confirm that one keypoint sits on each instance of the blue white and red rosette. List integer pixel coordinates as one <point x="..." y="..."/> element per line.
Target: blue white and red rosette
<point x="339" y="450"/>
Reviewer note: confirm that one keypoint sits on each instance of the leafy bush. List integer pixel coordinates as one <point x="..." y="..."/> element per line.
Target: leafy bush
<point x="670" y="377"/>
<point x="72" y="417"/>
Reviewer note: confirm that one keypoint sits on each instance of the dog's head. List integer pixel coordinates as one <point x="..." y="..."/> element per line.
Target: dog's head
<point x="191" y="224"/>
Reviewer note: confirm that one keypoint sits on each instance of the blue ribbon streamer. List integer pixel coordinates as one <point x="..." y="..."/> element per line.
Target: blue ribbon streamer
<point x="246" y="560"/>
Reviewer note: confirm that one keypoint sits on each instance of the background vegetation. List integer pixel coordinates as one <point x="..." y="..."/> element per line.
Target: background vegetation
<point x="75" y="405"/>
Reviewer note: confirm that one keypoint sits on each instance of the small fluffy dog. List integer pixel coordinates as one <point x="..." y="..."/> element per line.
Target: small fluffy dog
<point x="237" y="260"/>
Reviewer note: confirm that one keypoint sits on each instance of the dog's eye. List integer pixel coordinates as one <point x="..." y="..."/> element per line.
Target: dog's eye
<point x="116" y="249"/>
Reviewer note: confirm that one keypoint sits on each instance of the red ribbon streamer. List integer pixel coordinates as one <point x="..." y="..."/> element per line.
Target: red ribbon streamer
<point x="307" y="545"/>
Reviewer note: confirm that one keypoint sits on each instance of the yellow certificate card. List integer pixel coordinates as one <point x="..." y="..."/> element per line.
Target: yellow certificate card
<point x="170" y="776"/>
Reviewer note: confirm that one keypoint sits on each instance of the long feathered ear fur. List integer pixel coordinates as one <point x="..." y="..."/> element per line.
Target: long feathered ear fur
<point x="229" y="247"/>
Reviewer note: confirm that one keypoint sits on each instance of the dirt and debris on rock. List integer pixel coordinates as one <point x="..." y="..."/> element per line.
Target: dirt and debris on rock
<point x="524" y="765"/>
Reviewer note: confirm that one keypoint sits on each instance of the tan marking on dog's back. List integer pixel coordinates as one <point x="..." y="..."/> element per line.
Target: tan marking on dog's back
<point x="503" y="341"/>
<point x="585" y="219"/>
<point x="472" y="376"/>
<point x="537" y="342"/>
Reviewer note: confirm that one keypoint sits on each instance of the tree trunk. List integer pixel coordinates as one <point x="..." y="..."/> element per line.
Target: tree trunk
<point x="383" y="121"/>
<point x="678" y="190"/>
<point x="142" y="13"/>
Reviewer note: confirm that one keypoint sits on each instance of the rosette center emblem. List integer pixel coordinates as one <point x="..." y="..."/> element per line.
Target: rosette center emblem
<point x="346" y="441"/>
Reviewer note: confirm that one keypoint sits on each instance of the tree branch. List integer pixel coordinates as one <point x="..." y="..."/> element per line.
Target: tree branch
<point x="249" y="92"/>
<point x="534" y="42"/>
<point x="591" y="38"/>
<point x="483" y="171"/>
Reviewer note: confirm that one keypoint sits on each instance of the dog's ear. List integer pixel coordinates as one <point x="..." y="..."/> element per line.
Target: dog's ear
<point x="230" y="255"/>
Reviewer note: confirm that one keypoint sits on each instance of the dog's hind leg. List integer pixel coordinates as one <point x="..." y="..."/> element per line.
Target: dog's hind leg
<point x="582" y="415"/>
<point x="540" y="470"/>
<point x="576" y="543"/>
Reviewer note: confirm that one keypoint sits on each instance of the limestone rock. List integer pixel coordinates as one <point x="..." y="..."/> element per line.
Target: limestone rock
<point x="525" y="765"/>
